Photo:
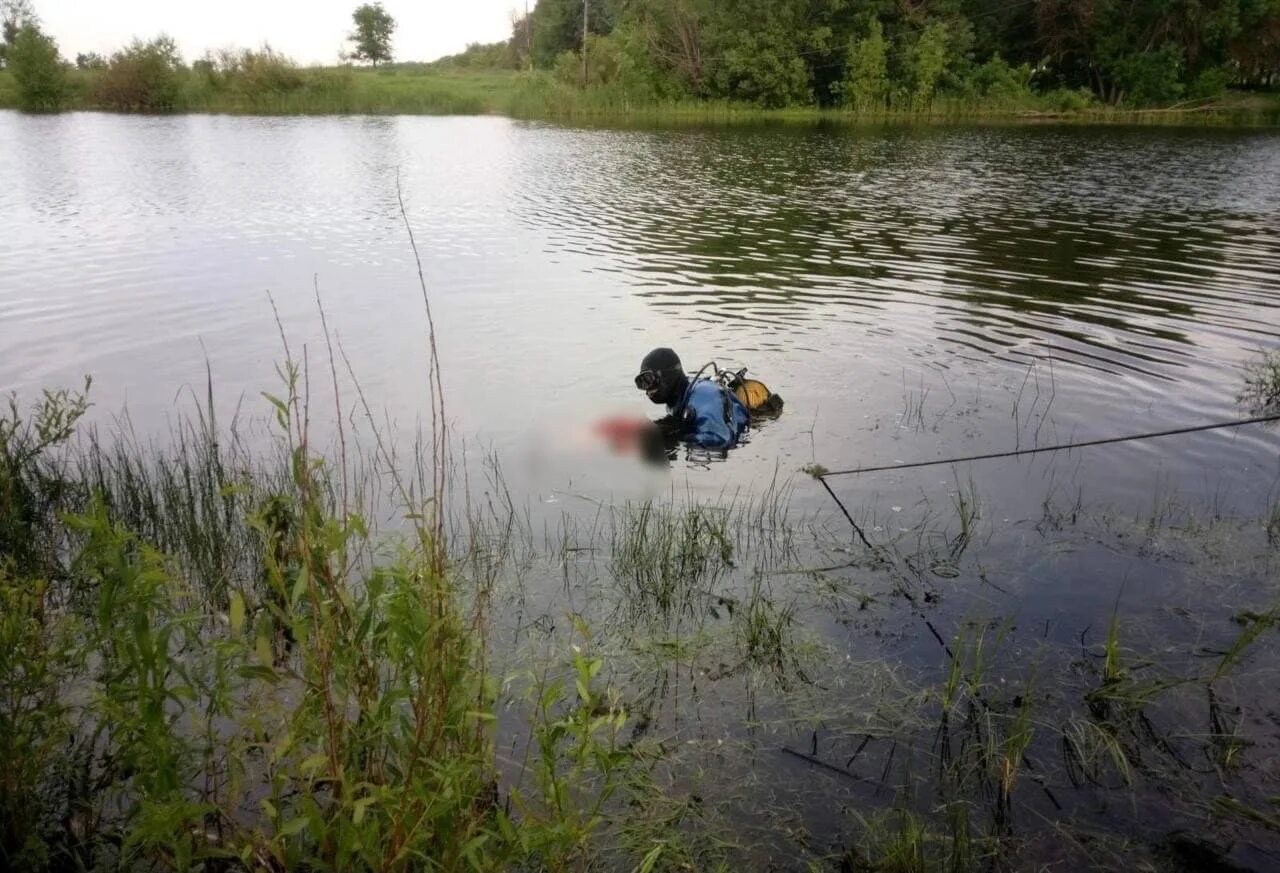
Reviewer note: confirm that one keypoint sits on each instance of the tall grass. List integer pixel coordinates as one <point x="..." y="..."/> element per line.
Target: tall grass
<point x="260" y="82"/>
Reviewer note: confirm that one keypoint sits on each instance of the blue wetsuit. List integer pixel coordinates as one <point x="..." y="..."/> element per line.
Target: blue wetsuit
<point x="713" y="417"/>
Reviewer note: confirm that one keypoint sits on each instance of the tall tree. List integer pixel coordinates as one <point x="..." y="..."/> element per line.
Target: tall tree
<point x="557" y="26"/>
<point x="38" y="70"/>
<point x="372" y="36"/>
<point x="14" y="15"/>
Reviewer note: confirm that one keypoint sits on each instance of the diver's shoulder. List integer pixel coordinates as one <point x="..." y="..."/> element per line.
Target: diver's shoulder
<point x="705" y="387"/>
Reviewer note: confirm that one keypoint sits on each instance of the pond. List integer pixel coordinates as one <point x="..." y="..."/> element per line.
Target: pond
<point x="914" y="293"/>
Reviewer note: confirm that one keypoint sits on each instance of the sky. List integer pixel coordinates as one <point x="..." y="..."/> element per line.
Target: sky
<point x="309" y="31"/>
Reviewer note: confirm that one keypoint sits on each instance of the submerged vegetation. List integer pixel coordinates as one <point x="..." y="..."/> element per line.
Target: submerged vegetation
<point x="1261" y="390"/>
<point x="216" y="655"/>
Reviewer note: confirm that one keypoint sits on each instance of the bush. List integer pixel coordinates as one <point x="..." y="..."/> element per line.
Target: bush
<point x="568" y="68"/>
<point x="263" y="72"/>
<point x="332" y="83"/>
<point x="928" y="59"/>
<point x="866" y="79"/>
<point x="605" y="60"/>
<point x="769" y="76"/>
<point x="38" y="71"/>
<point x="1210" y="83"/>
<point x="145" y="77"/>
<point x="1069" y="99"/>
<point x="90" y="61"/>
<point x="997" y="79"/>
<point x="1154" y="77"/>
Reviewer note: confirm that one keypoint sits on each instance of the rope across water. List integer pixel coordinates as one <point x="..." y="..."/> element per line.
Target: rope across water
<point x="1054" y="448"/>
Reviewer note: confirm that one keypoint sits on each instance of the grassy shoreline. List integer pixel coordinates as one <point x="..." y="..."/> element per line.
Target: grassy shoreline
<point x="413" y="90"/>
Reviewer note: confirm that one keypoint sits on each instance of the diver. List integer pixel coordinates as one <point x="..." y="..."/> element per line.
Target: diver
<point x="701" y="412"/>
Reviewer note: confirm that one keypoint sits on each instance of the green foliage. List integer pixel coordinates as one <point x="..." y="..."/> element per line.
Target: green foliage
<point x="38" y="657"/>
<point x="1151" y="77"/>
<point x="253" y="76"/>
<point x="1212" y="82"/>
<point x="485" y="56"/>
<point x="33" y="59"/>
<point x="1254" y="53"/>
<point x="927" y="62"/>
<point x="37" y="651"/>
<point x="579" y="764"/>
<point x="329" y="709"/>
<point x="996" y="79"/>
<point x="685" y="58"/>
<point x="144" y="77"/>
<point x="372" y="36"/>
<point x="760" y="52"/>
<point x="866" y="80"/>
<point x="790" y="53"/>
<point x="14" y="16"/>
<point x="33" y="482"/>
<point x="90" y="61"/>
<point x="758" y="73"/>
<point x="1069" y="100"/>
<point x="557" y="28"/>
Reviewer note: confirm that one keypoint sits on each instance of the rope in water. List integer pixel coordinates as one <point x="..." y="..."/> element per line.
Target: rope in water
<point x="1055" y="448"/>
<point x="1024" y="760"/>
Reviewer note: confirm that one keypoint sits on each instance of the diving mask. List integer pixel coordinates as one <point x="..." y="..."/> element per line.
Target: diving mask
<point x="648" y="380"/>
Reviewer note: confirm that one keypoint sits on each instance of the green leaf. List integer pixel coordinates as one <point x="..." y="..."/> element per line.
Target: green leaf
<point x="237" y="611"/>
<point x="313" y="763"/>
<point x="650" y="859"/>
<point x="300" y="585"/>
<point x="255" y="671"/>
<point x="294" y="826"/>
<point x="360" y="806"/>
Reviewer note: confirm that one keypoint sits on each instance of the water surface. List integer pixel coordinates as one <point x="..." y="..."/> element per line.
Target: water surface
<point x="1132" y="271"/>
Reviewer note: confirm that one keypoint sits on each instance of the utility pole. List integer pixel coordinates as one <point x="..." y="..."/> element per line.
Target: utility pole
<point x="585" y="9"/>
<point x="528" y="34"/>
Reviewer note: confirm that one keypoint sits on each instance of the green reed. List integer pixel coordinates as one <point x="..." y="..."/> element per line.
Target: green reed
<point x="207" y="663"/>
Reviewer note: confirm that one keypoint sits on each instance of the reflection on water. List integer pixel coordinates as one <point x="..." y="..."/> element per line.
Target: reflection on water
<point x="990" y="241"/>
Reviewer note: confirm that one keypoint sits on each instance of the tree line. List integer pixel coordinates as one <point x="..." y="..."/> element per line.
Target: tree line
<point x="150" y="76"/>
<point x="866" y="55"/>
<point x="881" y="54"/>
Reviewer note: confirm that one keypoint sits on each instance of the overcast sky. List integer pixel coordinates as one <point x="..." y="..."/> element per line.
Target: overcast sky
<point x="310" y="31"/>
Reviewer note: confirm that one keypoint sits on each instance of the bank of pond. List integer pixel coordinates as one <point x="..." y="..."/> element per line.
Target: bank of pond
<point x="276" y="89"/>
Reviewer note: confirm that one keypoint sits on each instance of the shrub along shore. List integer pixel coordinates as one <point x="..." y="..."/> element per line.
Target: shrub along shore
<point x="265" y="83"/>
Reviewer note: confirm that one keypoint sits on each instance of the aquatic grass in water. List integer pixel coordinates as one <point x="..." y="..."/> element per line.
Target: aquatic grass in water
<point x="209" y="732"/>
<point x="963" y="760"/>
<point x="1260" y="393"/>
